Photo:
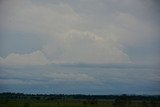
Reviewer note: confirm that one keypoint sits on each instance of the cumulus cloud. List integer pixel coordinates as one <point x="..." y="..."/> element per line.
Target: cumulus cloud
<point x="86" y="47"/>
<point x="129" y="21"/>
<point x="74" y="34"/>
<point x="74" y="47"/>
<point x="58" y="25"/>
<point x="18" y="60"/>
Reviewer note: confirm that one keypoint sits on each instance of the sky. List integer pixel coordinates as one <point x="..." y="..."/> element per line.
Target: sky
<point x="80" y="46"/>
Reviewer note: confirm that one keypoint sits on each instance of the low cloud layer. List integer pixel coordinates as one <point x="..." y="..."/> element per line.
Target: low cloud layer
<point x="77" y="79"/>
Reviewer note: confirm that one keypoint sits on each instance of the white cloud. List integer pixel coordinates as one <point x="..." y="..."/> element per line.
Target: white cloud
<point x="18" y="60"/>
<point x="129" y="21"/>
<point x="74" y="37"/>
<point x="58" y="26"/>
<point x="91" y="48"/>
<point x="48" y="19"/>
<point x="131" y="30"/>
<point x="75" y="47"/>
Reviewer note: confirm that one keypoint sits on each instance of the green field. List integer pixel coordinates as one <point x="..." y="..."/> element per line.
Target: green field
<point x="29" y="100"/>
<point x="77" y="104"/>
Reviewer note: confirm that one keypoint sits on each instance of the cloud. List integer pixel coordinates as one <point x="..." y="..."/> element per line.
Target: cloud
<point x="131" y="30"/>
<point x="76" y="34"/>
<point x="20" y="60"/>
<point x="86" y="47"/>
<point x="129" y="21"/>
<point x="57" y="25"/>
<point x="11" y="81"/>
<point x="48" y="19"/>
<point x="49" y="79"/>
<point x="42" y="75"/>
<point x="99" y="79"/>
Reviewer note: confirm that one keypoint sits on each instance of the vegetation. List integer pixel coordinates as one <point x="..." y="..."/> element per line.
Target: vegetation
<point x="61" y="100"/>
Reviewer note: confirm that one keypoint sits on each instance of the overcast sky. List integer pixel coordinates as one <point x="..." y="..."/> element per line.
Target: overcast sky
<point x="80" y="46"/>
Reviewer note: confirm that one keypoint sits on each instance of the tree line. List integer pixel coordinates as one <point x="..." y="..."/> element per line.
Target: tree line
<point x="9" y="95"/>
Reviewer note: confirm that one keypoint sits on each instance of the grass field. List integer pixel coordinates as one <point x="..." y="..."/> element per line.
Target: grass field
<point x="78" y="103"/>
<point x="30" y="100"/>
